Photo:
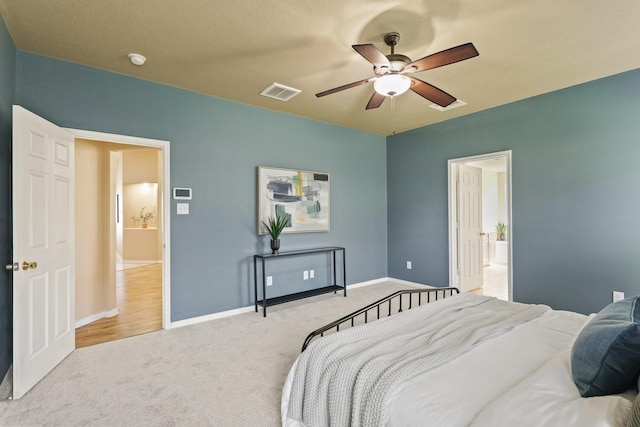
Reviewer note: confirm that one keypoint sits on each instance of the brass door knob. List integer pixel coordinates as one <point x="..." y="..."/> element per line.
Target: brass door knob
<point x="29" y="265"/>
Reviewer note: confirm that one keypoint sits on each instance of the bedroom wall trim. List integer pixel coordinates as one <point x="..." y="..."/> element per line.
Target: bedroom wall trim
<point x="409" y="283"/>
<point x="369" y="282"/>
<point x="213" y="316"/>
<point x="251" y="308"/>
<point x="141" y="261"/>
<point x="96" y="316"/>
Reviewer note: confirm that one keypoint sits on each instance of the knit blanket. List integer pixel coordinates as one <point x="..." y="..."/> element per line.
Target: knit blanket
<point x="344" y="379"/>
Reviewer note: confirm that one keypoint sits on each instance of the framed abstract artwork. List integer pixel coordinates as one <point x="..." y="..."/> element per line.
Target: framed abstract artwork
<point x="300" y="196"/>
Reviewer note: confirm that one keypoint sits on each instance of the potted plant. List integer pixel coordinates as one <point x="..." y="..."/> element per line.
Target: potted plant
<point x="144" y="216"/>
<point x="501" y="228"/>
<point x="274" y="226"/>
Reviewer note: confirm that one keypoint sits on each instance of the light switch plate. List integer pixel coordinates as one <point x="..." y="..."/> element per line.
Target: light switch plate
<point x="182" y="208"/>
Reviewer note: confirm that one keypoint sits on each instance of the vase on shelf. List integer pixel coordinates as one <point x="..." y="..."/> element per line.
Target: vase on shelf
<point x="275" y="246"/>
<point x="144" y="225"/>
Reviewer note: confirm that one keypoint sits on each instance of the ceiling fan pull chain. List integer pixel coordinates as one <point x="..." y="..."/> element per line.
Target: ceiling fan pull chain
<point x="393" y="114"/>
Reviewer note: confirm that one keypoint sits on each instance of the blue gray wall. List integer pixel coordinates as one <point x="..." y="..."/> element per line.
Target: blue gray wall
<point x="575" y="174"/>
<point x="216" y="146"/>
<point x="7" y="85"/>
<point x="576" y="203"/>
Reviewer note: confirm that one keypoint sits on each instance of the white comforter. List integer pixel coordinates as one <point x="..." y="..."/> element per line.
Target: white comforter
<point x="520" y="378"/>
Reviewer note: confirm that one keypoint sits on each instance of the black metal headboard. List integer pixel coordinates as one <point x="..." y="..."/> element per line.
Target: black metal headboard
<point x="411" y="297"/>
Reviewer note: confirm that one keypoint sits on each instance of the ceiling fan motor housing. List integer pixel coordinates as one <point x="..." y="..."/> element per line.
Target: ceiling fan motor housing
<point x="397" y="62"/>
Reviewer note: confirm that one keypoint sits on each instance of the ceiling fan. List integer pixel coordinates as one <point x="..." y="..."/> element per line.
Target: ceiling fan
<point x="391" y="72"/>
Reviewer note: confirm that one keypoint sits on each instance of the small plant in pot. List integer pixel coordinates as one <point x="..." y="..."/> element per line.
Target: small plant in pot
<point x="274" y="226"/>
<point x="144" y="216"/>
<point x="501" y="228"/>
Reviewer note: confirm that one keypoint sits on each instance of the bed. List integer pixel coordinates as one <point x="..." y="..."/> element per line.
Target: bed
<point x="470" y="360"/>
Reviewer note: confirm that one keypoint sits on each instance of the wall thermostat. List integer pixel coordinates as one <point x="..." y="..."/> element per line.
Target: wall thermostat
<point x="181" y="193"/>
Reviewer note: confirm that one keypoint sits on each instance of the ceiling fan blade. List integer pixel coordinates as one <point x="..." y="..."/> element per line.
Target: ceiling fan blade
<point x="373" y="55"/>
<point x="343" y="87"/>
<point x="432" y="93"/>
<point x="375" y="101"/>
<point x="444" y="57"/>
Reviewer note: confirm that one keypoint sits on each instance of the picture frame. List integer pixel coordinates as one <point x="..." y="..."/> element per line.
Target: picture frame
<point x="303" y="196"/>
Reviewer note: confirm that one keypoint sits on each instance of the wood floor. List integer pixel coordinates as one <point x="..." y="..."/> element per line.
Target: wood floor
<point x="139" y="302"/>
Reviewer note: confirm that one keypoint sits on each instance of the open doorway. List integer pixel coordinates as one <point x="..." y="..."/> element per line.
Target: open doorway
<point x="122" y="272"/>
<point x="480" y="224"/>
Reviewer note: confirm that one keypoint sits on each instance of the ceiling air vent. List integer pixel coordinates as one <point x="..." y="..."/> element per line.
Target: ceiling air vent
<point x="457" y="103"/>
<point x="281" y="92"/>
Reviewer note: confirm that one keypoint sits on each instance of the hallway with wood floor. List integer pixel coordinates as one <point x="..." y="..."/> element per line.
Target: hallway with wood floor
<point x="139" y="302"/>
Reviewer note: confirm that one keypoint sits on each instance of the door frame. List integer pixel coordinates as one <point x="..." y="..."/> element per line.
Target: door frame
<point x="453" y="206"/>
<point x="166" y="203"/>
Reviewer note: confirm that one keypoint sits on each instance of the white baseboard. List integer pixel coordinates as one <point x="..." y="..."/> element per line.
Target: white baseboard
<point x="241" y="310"/>
<point x="141" y="261"/>
<point x="212" y="316"/>
<point x="96" y="316"/>
<point x="390" y="279"/>
<point x="368" y="283"/>
<point x="408" y="283"/>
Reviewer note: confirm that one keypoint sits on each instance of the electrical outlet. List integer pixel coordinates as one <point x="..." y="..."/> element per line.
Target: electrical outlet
<point x="617" y="296"/>
<point x="269" y="280"/>
<point x="408" y="265"/>
<point x="312" y="274"/>
<point x="305" y="275"/>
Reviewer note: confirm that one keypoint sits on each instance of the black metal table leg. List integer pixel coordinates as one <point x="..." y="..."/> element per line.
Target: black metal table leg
<point x="255" y="281"/>
<point x="344" y="270"/>
<point x="264" y="292"/>
<point x="333" y="268"/>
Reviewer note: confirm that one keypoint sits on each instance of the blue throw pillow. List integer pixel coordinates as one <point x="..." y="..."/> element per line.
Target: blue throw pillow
<point x="605" y="358"/>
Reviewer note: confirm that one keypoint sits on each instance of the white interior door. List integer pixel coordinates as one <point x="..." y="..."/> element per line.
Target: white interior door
<point x="43" y="248"/>
<point x="470" y="227"/>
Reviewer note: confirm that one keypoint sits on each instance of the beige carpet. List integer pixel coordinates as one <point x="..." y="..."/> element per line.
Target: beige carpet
<point x="226" y="372"/>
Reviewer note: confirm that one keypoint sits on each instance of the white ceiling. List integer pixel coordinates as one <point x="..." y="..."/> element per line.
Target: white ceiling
<point x="233" y="50"/>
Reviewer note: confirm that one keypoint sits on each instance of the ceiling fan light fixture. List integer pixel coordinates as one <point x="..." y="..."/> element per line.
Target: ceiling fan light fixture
<point x="392" y="84"/>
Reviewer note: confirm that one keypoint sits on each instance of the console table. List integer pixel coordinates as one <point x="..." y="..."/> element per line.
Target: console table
<point x="333" y="287"/>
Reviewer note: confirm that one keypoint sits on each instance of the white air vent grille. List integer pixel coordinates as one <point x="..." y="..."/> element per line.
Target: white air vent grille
<point x="457" y="103"/>
<point x="281" y="92"/>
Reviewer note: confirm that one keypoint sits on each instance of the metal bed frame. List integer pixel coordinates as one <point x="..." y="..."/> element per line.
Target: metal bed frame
<point x="432" y="294"/>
